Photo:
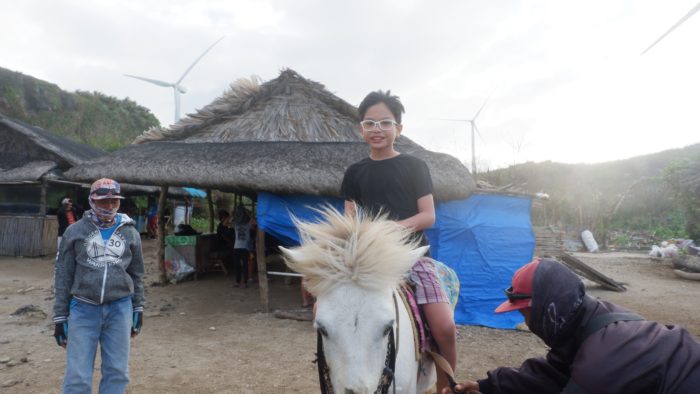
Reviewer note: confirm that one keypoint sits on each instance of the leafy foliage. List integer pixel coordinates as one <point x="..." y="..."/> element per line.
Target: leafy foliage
<point x="92" y="118"/>
<point x="684" y="179"/>
<point x="649" y="194"/>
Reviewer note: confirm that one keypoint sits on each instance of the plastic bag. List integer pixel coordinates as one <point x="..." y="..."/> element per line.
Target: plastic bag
<point x="589" y="241"/>
<point x="177" y="269"/>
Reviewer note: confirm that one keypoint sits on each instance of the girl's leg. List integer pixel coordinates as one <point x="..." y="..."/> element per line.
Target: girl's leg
<point x="244" y="268"/>
<point x="237" y="266"/>
<point x="443" y="330"/>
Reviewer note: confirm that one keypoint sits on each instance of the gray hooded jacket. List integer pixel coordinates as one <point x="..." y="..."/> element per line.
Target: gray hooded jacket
<point x="95" y="271"/>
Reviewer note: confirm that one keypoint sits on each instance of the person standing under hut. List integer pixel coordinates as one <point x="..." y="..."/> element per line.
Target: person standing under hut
<point x="67" y="214"/>
<point x="597" y="347"/>
<point x="241" y="227"/>
<point x="225" y="239"/>
<point x="399" y="185"/>
<point x="99" y="292"/>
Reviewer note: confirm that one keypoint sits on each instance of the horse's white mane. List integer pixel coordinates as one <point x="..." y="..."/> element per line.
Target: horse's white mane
<point x="370" y="252"/>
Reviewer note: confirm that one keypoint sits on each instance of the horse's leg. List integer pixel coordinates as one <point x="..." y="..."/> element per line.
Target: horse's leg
<point x="406" y="368"/>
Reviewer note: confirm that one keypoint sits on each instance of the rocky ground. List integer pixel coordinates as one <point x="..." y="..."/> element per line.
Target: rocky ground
<point x="206" y="336"/>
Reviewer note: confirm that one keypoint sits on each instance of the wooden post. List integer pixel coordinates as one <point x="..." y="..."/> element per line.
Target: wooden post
<point x="161" y="234"/>
<point x="544" y="211"/>
<point x="42" y="201"/>
<point x="262" y="269"/>
<point x="210" y="203"/>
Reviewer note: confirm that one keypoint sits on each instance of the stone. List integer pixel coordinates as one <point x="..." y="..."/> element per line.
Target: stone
<point x="9" y="383"/>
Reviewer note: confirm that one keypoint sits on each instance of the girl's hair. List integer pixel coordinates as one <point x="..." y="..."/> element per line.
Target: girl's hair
<point x="392" y="102"/>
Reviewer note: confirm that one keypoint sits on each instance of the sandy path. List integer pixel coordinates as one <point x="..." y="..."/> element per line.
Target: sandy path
<point x="252" y="352"/>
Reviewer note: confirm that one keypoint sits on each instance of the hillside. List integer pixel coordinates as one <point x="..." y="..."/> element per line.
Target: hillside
<point x="631" y="194"/>
<point x="93" y="118"/>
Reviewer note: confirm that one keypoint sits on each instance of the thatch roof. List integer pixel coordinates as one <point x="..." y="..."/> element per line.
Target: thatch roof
<point x="21" y="143"/>
<point x="28" y="152"/>
<point x="277" y="167"/>
<point x="288" y="135"/>
<point x="288" y="108"/>
<point x="30" y="172"/>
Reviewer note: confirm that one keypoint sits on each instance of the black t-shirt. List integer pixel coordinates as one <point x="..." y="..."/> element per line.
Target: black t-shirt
<point x="392" y="185"/>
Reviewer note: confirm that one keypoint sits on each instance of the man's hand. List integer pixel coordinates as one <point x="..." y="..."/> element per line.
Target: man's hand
<point x="136" y="323"/>
<point x="60" y="332"/>
<point x="468" y="387"/>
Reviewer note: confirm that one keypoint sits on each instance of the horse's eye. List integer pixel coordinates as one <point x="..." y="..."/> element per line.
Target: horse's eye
<point x="387" y="329"/>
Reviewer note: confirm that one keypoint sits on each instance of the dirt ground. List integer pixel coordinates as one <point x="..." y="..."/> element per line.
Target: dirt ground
<point x="206" y="336"/>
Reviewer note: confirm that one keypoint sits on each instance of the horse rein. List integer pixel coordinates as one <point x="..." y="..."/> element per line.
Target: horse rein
<point x="387" y="377"/>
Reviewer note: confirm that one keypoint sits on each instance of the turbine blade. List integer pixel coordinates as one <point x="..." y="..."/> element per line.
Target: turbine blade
<point x="197" y="60"/>
<point x="683" y="19"/>
<point x="453" y="120"/>
<point x="478" y="132"/>
<point x="482" y="107"/>
<point x="153" y="81"/>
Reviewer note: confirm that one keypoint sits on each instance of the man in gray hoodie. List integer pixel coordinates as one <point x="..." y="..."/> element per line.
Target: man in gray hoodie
<point x="99" y="292"/>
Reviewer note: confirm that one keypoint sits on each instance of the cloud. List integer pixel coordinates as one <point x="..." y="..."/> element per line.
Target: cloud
<point x="565" y="80"/>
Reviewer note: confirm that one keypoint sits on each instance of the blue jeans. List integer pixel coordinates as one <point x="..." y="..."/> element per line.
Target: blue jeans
<point x="110" y="326"/>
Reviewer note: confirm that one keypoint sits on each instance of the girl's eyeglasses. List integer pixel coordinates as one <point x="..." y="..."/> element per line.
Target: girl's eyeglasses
<point x="383" y="125"/>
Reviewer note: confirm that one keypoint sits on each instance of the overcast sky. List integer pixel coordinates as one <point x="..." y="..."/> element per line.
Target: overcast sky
<point x="565" y="79"/>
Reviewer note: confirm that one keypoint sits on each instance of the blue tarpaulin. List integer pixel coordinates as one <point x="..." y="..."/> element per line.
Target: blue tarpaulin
<point x="273" y="213"/>
<point x="484" y="238"/>
<point x="198" y="193"/>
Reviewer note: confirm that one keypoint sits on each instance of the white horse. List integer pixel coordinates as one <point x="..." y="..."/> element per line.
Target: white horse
<point x="352" y="265"/>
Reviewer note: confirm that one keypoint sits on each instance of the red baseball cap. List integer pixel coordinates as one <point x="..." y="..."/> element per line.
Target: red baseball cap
<point x="105" y="188"/>
<point x="520" y="293"/>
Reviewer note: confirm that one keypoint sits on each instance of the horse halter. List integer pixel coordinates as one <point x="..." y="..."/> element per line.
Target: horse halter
<point x="324" y="371"/>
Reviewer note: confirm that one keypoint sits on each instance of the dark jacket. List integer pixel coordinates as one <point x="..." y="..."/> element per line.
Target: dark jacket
<point x="63" y="219"/>
<point x="624" y="357"/>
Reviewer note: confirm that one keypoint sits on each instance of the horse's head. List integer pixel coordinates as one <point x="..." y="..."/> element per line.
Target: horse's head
<point x="352" y="264"/>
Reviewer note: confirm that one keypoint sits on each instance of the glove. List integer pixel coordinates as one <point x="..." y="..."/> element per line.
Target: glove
<point x="136" y="323"/>
<point x="60" y="332"/>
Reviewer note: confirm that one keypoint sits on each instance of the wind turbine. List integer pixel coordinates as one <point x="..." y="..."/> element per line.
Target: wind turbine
<point x="680" y="22"/>
<point x="475" y="130"/>
<point x="177" y="88"/>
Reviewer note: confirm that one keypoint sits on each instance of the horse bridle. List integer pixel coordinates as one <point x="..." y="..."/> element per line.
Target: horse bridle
<point x="324" y="371"/>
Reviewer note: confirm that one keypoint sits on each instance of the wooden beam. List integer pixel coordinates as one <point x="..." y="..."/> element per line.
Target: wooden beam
<point x="42" y="199"/>
<point x="262" y="269"/>
<point x="161" y="234"/>
<point x="210" y="203"/>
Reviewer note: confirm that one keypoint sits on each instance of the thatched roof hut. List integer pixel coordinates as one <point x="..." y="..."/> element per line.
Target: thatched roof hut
<point x="28" y="153"/>
<point x="288" y="135"/>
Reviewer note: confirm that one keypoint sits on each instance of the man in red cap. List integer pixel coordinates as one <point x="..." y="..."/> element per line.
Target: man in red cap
<point x="99" y="292"/>
<point x="596" y="346"/>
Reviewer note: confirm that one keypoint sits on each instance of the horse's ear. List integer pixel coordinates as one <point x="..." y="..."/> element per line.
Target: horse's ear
<point x="417" y="253"/>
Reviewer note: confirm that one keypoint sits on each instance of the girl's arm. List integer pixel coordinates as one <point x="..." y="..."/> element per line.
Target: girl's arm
<point x="425" y="218"/>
